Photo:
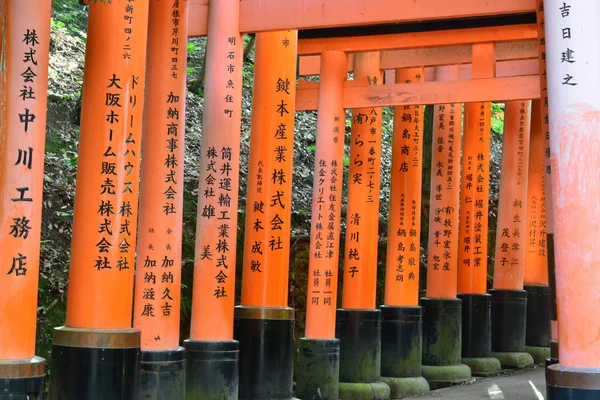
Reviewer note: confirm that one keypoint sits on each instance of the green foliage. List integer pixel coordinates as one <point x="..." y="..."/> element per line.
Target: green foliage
<point x="498" y="117"/>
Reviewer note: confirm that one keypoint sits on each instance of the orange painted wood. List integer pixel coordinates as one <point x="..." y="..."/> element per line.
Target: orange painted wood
<point x="23" y="100"/>
<point x="359" y="94"/>
<point x="269" y="201"/>
<point x="404" y="229"/>
<point x="275" y="15"/>
<point x="511" y="229"/>
<point x="444" y="202"/>
<point x="475" y="182"/>
<point x="323" y="262"/>
<point x="415" y="40"/>
<point x="536" y="258"/>
<point x="158" y="262"/>
<point x="215" y="258"/>
<point x="362" y="216"/>
<point x="101" y="275"/>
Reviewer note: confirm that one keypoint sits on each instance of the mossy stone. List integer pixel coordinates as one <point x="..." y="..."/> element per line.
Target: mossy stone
<point x="485" y="366"/>
<point x="539" y="354"/>
<point x="364" y="391"/>
<point x="404" y="387"/>
<point x="517" y="360"/>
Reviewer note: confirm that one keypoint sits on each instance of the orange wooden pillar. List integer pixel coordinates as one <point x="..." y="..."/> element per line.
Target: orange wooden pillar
<point x="473" y="229"/>
<point x="535" y="276"/>
<point x="358" y="327"/>
<point x="441" y="309"/>
<point x="264" y="324"/>
<point x="212" y="354"/>
<point x="319" y="350"/>
<point x="547" y="180"/>
<point x="509" y="300"/>
<point x="401" y="316"/>
<point x="24" y="51"/>
<point x="574" y="91"/>
<point x="98" y="341"/>
<point x="158" y="264"/>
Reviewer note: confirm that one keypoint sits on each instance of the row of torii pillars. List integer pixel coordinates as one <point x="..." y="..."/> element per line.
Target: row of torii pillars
<point x="99" y="352"/>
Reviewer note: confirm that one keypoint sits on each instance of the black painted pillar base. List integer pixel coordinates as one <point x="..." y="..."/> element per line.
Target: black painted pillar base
<point x="22" y="379"/>
<point x="401" y="351"/>
<point x="538" y="332"/>
<point x="95" y="364"/>
<point x="554" y="351"/>
<point x="477" y="335"/>
<point x="266" y="338"/>
<point x="211" y="370"/>
<point x="318" y="375"/>
<point x="162" y="375"/>
<point x="509" y="318"/>
<point x="565" y="383"/>
<point x="359" y="332"/>
<point x="442" y="342"/>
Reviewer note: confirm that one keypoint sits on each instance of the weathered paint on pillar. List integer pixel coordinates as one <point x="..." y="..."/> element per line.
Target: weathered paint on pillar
<point x="573" y="58"/>
<point x="106" y="197"/>
<point x="536" y="260"/>
<point x="158" y="280"/>
<point x="269" y="202"/>
<point x="24" y="51"/>
<point x="512" y="204"/>
<point x="327" y="199"/>
<point x="475" y="183"/>
<point x="214" y="263"/>
<point x="362" y="221"/>
<point x="444" y="201"/>
<point x="404" y="229"/>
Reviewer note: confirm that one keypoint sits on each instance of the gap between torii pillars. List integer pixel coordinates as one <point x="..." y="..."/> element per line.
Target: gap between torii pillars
<point x="97" y="354"/>
<point x="509" y="300"/>
<point x="535" y="278"/>
<point x="158" y="264"/>
<point x="574" y="89"/>
<point x="441" y="309"/>
<point x="264" y="324"/>
<point x="401" y="325"/>
<point x="358" y="322"/>
<point x="319" y="352"/>
<point x="211" y="352"/>
<point x="24" y="52"/>
<point x="473" y="229"/>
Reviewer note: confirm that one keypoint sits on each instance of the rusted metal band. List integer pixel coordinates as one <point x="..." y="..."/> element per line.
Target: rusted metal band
<point x="97" y="338"/>
<point x="554" y="349"/>
<point x="27" y="368"/>
<point x="264" y="312"/>
<point x="575" y="378"/>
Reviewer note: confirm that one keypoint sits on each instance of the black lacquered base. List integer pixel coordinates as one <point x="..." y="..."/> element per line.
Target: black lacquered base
<point x="22" y="379"/>
<point x="401" y="341"/>
<point x="266" y="340"/>
<point x="564" y="383"/>
<point x="95" y="364"/>
<point x="554" y="350"/>
<point x="538" y="332"/>
<point x="211" y="370"/>
<point x="318" y="375"/>
<point x="162" y="375"/>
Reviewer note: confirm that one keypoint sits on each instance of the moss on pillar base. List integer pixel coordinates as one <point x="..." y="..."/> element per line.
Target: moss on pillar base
<point x="518" y="360"/>
<point x="539" y="354"/>
<point x="446" y="375"/>
<point x="403" y="387"/>
<point x="483" y="366"/>
<point x="364" y="391"/>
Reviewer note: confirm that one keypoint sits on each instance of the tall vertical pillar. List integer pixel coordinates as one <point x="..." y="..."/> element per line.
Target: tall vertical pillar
<point x="547" y="181"/>
<point x="509" y="300"/>
<point x="158" y="264"/>
<point x="441" y="309"/>
<point x="574" y="90"/>
<point x="319" y="352"/>
<point x="358" y="324"/>
<point x="401" y="316"/>
<point x="24" y="52"/>
<point x="535" y="276"/>
<point x="473" y="230"/>
<point x="97" y="354"/>
<point x="212" y="354"/>
<point x="264" y="324"/>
